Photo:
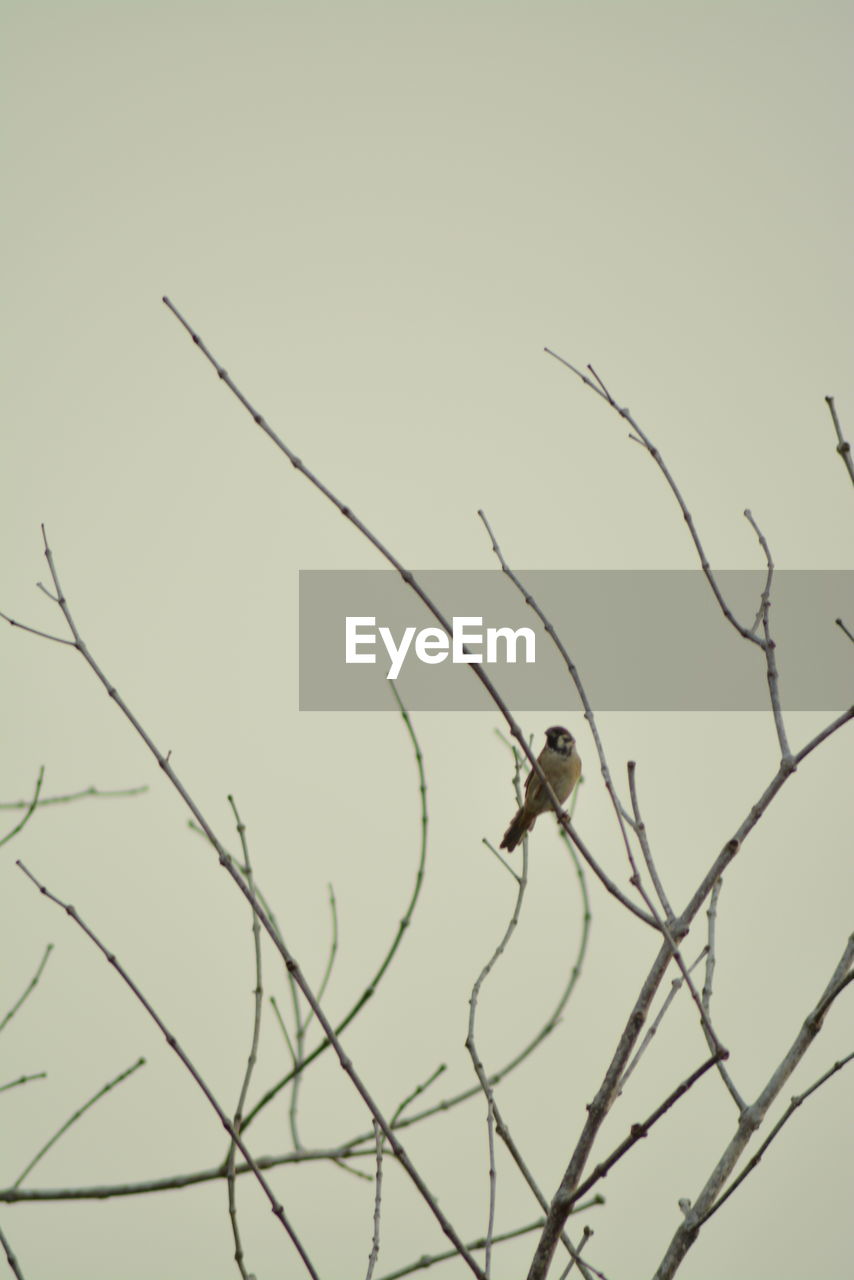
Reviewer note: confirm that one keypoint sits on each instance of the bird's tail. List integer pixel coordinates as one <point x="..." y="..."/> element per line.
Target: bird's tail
<point x="521" y="824"/>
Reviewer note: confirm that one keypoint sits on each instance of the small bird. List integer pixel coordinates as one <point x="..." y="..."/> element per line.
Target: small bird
<point x="561" y="764"/>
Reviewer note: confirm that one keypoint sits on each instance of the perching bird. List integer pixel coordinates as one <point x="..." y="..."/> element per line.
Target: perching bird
<point x="561" y="764"/>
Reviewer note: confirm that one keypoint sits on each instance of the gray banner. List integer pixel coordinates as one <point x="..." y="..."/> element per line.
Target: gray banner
<point x="652" y="640"/>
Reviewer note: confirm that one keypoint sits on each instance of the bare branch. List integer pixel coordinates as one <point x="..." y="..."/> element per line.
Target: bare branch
<point x="796" y="1102"/>
<point x="31" y="986"/>
<point x="13" y="1084"/>
<point x="641" y="1130"/>
<point x="843" y="448"/>
<point x="417" y="1091"/>
<point x="378" y="1190"/>
<point x="290" y="962"/>
<point x="769" y="646"/>
<point x="712" y="917"/>
<point x="22" y="626"/>
<point x="258" y="996"/>
<point x="429" y="1260"/>
<point x="750" y="1119"/>
<point x="471" y="1046"/>
<point x="641" y="438"/>
<point x="277" y="1208"/>
<point x="31" y="808"/>
<point x="675" y="987"/>
<point x="843" y="628"/>
<point x="640" y="830"/>
<point x="44" y="801"/>
<point x="14" y="1266"/>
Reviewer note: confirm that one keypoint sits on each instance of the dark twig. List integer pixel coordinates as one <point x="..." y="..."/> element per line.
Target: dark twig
<point x="33" y="631"/>
<point x="843" y="448"/>
<point x="641" y="1130"/>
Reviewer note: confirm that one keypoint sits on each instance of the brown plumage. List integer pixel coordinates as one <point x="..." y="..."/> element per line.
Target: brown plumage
<point x="561" y="764"/>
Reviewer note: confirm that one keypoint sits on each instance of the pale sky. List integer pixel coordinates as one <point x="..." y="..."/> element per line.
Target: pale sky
<point x="378" y="215"/>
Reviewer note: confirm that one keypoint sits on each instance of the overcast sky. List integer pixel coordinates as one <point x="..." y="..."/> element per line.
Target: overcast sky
<point x="377" y="216"/>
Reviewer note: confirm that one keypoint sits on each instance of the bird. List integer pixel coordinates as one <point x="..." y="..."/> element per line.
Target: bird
<point x="561" y="764"/>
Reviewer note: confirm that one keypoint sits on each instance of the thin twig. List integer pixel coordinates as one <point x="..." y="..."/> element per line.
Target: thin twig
<point x="640" y="436"/>
<point x="844" y="629"/>
<point x="378" y="1190"/>
<point x="13" y="1084"/>
<point x="643" y="839"/>
<point x="14" y="1265"/>
<point x="641" y="1130"/>
<point x="34" y="631"/>
<point x="471" y="1046"/>
<point x="31" y="808"/>
<point x="770" y="648"/>
<point x="63" y="1128"/>
<point x="429" y="1260"/>
<point x="417" y="1091"/>
<point x="796" y="1102"/>
<point x="31" y="986"/>
<point x="675" y="987"/>
<point x="585" y="1236"/>
<point x="85" y="794"/>
<point x="257" y="1001"/>
<point x="712" y="917"/>
<point x="176" y="1181"/>
<point x="843" y="448"/>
